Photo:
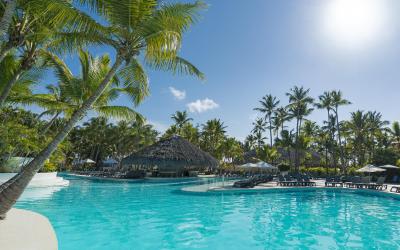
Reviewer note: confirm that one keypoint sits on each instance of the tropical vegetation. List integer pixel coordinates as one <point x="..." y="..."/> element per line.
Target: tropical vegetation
<point x="35" y="35"/>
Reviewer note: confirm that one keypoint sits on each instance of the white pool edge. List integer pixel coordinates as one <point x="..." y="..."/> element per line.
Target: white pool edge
<point x="23" y="229"/>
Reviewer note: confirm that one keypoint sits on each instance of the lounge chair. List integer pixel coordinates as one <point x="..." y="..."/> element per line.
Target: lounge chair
<point x="308" y="182"/>
<point x="395" y="189"/>
<point x="333" y="182"/>
<point x="364" y="183"/>
<point x="378" y="185"/>
<point x="352" y="182"/>
<point x="285" y="181"/>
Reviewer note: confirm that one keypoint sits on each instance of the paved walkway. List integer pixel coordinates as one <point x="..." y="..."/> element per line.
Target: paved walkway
<point x="228" y="187"/>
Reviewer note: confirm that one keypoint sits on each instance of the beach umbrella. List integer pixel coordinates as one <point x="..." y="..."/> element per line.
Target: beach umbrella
<point x="370" y="169"/>
<point x="389" y="167"/>
<point x="266" y="166"/>
<point x="249" y="165"/>
<point x="88" y="161"/>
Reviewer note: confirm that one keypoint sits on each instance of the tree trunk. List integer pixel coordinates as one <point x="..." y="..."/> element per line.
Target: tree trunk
<point x="48" y="125"/>
<point x="296" y="151"/>
<point x="5" y="21"/>
<point x="340" y="141"/>
<point x="11" y="190"/>
<point x="7" y="88"/>
<point x="270" y="130"/>
<point x="4" y="51"/>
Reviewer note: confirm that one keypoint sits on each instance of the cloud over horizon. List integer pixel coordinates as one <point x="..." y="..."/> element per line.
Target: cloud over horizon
<point x="201" y="106"/>
<point x="178" y="94"/>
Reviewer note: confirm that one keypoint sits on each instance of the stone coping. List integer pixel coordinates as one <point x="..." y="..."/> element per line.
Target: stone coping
<point x="227" y="188"/>
<point x="26" y="230"/>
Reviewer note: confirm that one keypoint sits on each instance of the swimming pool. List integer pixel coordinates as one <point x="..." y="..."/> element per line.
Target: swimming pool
<point x="94" y="214"/>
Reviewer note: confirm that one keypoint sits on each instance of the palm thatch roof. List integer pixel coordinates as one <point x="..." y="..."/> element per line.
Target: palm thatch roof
<point x="173" y="152"/>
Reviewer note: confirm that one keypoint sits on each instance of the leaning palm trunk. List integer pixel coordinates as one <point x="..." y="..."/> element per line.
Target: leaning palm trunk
<point x="5" y="21"/>
<point x="7" y="88"/>
<point x="11" y="190"/>
<point x="50" y="123"/>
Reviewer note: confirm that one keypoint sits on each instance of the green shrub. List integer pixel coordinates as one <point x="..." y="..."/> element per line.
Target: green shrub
<point x="49" y="167"/>
<point x="318" y="171"/>
<point x="283" y="167"/>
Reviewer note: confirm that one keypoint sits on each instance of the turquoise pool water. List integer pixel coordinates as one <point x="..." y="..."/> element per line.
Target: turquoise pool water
<point x="92" y="214"/>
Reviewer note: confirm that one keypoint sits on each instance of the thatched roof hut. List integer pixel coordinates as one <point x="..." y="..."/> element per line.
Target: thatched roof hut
<point x="175" y="152"/>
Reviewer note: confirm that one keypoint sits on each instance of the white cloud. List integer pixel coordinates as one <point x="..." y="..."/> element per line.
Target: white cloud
<point x="159" y="126"/>
<point x="201" y="106"/>
<point x="178" y="94"/>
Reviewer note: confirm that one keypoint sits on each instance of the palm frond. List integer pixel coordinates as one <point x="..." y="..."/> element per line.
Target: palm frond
<point x="177" y="65"/>
<point x="119" y="112"/>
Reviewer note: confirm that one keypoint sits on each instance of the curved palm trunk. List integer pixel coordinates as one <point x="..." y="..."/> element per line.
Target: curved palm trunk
<point x="5" y="21"/>
<point x="7" y="88"/>
<point x="11" y="190"/>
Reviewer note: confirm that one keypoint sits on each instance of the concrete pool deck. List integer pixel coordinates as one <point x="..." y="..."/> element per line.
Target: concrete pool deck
<point x="227" y="187"/>
<point x="26" y="230"/>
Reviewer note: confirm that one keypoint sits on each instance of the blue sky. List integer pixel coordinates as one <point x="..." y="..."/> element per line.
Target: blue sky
<point x="249" y="48"/>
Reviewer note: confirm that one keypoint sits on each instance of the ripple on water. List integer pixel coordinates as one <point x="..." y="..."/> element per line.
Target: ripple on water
<point x="128" y="215"/>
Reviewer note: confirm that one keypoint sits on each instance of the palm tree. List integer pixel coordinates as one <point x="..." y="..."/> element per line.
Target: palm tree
<point x="298" y="108"/>
<point x="337" y="101"/>
<point x="213" y="134"/>
<point x="358" y="129"/>
<point x="250" y="142"/>
<point x="376" y="127"/>
<point x="268" y="106"/>
<point x="34" y="30"/>
<point x="156" y="31"/>
<point x="231" y="150"/>
<point x="259" y="126"/>
<point x="258" y="136"/>
<point x="287" y="141"/>
<point x="8" y="12"/>
<point x="180" y="118"/>
<point x="396" y="133"/>
<point x="281" y="116"/>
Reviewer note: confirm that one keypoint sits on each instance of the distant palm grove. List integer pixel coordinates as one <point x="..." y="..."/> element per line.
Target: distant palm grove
<point x="36" y="36"/>
<point x="282" y="135"/>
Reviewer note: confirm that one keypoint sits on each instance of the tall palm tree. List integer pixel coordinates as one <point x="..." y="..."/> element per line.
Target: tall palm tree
<point x="7" y="14"/>
<point x="34" y="30"/>
<point x="250" y="142"/>
<point x="358" y="129"/>
<point x="213" y="134"/>
<point x="298" y="107"/>
<point x="376" y="127"/>
<point x="180" y="118"/>
<point x="259" y="125"/>
<point x="396" y="133"/>
<point x="287" y="141"/>
<point x="281" y="116"/>
<point x="268" y="106"/>
<point x="337" y="101"/>
<point x="155" y="30"/>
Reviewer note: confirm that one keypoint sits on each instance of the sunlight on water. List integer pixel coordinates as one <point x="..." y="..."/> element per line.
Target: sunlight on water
<point x="94" y="214"/>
